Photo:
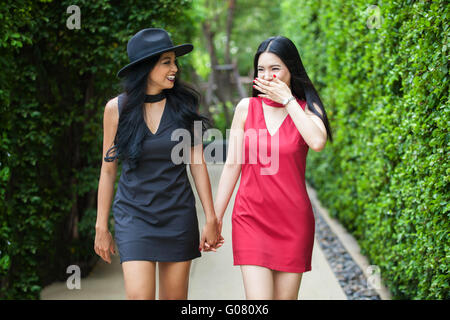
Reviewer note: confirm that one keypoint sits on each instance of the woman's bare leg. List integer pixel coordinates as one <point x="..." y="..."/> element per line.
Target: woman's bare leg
<point x="139" y="279"/>
<point x="258" y="282"/>
<point x="174" y="280"/>
<point x="286" y="285"/>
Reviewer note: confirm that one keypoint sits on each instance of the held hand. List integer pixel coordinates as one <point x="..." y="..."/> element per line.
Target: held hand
<point x="104" y="245"/>
<point x="211" y="238"/>
<point x="220" y="239"/>
<point x="275" y="90"/>
<point x="209" y="235"/>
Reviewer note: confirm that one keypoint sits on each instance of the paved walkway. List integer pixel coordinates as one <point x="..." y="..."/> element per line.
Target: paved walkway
<point x="213" y="276"/>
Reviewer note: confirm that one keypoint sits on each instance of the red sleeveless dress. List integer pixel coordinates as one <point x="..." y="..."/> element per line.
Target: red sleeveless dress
<point x="273" y="223"/>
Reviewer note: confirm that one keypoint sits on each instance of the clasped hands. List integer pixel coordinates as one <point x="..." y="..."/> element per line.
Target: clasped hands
<point x="211" y="238"/>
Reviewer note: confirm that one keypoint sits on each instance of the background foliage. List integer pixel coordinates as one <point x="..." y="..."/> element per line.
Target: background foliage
<point x="54" y="84"/>
<point x="384" y="81"/>
<point x="381" y="71"/>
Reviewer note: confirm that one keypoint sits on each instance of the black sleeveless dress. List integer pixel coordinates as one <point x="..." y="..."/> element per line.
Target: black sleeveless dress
<point x="154" y="206"/>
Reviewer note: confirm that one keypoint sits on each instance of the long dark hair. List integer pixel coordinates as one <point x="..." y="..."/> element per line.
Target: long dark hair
<point x="132" y="129"/>
<point x="301" y="85"/>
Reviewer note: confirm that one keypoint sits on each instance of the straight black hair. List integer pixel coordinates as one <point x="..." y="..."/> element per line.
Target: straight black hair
<point x="301" y="85"/>
<point x="132" y="129"/>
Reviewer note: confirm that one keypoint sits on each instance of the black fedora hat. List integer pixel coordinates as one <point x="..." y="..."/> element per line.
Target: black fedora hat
<point x="148" y="43"/>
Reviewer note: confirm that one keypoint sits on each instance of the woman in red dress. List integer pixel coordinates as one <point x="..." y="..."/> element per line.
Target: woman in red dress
<point x="271" y="133"/>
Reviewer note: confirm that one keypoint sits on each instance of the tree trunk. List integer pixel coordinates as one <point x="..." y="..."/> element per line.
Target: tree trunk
<point x="217" y="76"/>
<point x="229" y="27"/>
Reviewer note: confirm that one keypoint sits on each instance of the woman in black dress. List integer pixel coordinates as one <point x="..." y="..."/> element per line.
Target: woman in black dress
<point x="154" y="206"/>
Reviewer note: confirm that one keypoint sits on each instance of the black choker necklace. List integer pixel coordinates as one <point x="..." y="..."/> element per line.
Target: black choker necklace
<point x="154" y="97"/>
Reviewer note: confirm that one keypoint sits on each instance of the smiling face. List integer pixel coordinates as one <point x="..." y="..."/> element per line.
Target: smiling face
<point x="270" y="64"/>
<point x="162" y="75"/>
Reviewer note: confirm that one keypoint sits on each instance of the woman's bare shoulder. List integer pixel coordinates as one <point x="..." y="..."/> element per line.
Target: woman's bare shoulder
<point x="112" y="110"/>
<point x="241" y="110"/>
<point x="112" y="104"/>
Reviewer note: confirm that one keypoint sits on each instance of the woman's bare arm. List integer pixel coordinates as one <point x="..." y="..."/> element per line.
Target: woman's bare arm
<point x="232" y="167"/>
<point x="103" y="240"/>
<point x="199" y="171"/>
<point x="201" y="179"/>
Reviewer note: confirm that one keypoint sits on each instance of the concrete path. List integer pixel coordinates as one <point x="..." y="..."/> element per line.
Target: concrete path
<point x="213" y="276"/>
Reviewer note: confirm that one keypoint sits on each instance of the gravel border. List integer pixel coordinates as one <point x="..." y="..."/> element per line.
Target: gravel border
<point x="347" y="271"/>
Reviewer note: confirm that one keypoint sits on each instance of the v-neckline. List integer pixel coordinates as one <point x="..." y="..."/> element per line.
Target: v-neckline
<point x="265" y="123"/>
<point x="160" y="122"/>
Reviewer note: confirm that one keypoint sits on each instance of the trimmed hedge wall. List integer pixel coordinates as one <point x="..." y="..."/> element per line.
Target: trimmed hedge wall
<point x="382" y="72"/>
<point x="54" y="85"/>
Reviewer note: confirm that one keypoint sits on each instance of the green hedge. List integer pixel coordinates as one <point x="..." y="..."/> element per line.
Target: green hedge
<point x="54" y="85"/>
<point x="385" y="84"/>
